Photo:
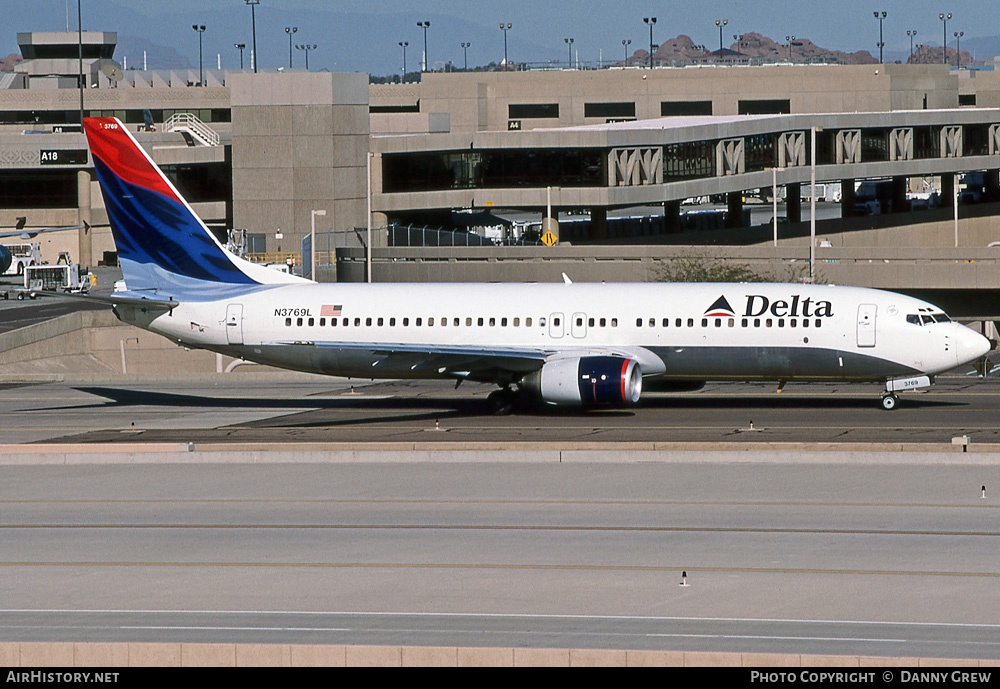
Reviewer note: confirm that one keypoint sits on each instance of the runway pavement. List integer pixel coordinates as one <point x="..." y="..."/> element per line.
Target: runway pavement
<point x="279" y="409"/>
<point x="856" y="559"/>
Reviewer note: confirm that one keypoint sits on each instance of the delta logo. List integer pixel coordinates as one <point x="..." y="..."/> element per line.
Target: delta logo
<point x="720" y="308"/>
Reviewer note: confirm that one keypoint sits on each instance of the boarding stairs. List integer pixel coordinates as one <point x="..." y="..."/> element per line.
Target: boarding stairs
<point x="194" y="130"/>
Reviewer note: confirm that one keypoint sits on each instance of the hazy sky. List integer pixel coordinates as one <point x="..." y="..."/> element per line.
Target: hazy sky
<point x="363" y="35"/>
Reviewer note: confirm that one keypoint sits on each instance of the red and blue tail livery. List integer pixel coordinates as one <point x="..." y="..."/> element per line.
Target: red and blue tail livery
<point x="161" y="242"/>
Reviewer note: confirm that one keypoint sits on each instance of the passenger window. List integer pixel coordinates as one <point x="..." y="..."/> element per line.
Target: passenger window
<point x="368" y="322"/>
<point x="638" y="322"/>
<point x="678" y="323"/>
<point x="793" y="322"/>
<point x="493" y="322"/>
<point x="541" y="322"/>
<point x="718" y="322"/>
<point x="590" y="322"/>
<point x="298" y="322"/>
<point x="818" y="322"/>
<point x="392" y="322"/>
<point x="420" y="321"/>
<point x="503" y="322"/>
<point x="604" y="322"/>
<point x="652" y="322"/>
<point x="312" y="322"/>
<point x="690" y="322"/>
<point x="333" y="322"/>
<point x="430" y="321"/>
<point x="732" y="322"/>
<point x="666" y="322"/>
<point x="517" y="322"/>
<point x="444" y="322"/>
<point x="704" y="322"/>
<point x="768" y="323"/>
<point x="527" y="322"/>
<point x="288" y="322"/>
<point x="357" y="322"/>
<point x="756" y="322"/>
<point x="805" y="322"/>
<point x="744" y="323"/>
<point x="781" y="322"/>
<point x="406" y="322"/>
<point x="322" y="321"/>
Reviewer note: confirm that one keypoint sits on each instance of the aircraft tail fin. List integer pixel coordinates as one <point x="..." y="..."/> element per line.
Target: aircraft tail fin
<point x="162" y="243"/>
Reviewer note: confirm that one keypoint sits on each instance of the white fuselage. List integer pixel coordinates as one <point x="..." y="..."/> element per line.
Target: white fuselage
<point x="710" y="331"/>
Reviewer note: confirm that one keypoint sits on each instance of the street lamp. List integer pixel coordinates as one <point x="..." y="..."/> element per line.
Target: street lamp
<point x="789" y="39"/>
<point x="465" y="50"/>
<point x="625" y="44"/>
<point x="720" y="23"/>
<point x="650" y="21"/>
<point x="201" y="70"/>
<point x="253" y="27"/>
<point x="240" y="47"/>
<point x="505" y="28"/>
<point x="881" y="43"/>
<point x="424" y="26"/>
<point x="569" y="45"/>
<point x="944" y="41"/>
<point x="403" y="44"/>
<point x="290" y="30"/>
<point x="958" y="48"/>
<point x="911" y="34"/>
<point x="307" y="47"/>
<point x="738" y="37"/>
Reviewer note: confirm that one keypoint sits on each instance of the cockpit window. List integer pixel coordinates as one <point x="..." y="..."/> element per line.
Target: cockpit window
<point x="927" y="319"/>
<point x="913" y="318"/>
<point x="942" y="318"/>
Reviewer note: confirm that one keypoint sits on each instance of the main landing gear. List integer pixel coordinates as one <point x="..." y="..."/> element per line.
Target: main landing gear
<point x="502" y="402"/>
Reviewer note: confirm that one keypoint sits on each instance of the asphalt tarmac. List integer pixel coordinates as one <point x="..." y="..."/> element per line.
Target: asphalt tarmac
<point x="228" y="409"/>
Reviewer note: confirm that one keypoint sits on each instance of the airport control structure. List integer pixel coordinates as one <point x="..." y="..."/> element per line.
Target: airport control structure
<point x="524" y="175"/>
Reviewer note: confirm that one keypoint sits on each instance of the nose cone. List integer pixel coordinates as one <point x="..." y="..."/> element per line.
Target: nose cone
<point x="971" y="345"/>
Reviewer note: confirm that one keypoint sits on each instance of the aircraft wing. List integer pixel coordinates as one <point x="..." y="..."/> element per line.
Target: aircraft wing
<point x="33" y="232"/>
<point x="475" y="362"/>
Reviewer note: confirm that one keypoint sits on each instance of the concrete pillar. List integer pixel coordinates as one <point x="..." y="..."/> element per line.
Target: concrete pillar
<point x="793" y="202"/>
<point x="86" y="241"/>
<point x="899" y="204"/>
<point x="598" y="223"/>
<point x="734" y="210"/>
<point x="847" y="198"/>
<point x="672" y="216"/>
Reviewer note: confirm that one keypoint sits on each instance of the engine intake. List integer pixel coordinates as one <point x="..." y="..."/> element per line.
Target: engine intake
<point x="591" y="381"/>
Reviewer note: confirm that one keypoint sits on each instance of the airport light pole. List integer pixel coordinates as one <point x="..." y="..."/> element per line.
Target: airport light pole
<point x="201" y="69"/>
<point x="307" y="47"/>
<point x="738" y="37"/>
<point x="290" y="30"/>
<point x="505" y="28"/>
<point x="789" y="39"/>
<point x="625" y="44"/>
<point x="465" y="50"/>
<point x="944" y="40"/>
<point x="403" y="44"/>
<point x="911" y="33"/>
<point x="721" y="23"/>
<point x="253" y="28"/>
<point x="569" y="46"/>
<point x="424" y="26"/>
<point x="650" y="21"/>
<point x="240" y="47"/>
<point x="958" y="48"/>
<point x="881" y="42"/>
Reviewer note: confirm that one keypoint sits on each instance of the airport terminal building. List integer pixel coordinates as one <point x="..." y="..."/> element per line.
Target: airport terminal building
<point x="263" y="152"/>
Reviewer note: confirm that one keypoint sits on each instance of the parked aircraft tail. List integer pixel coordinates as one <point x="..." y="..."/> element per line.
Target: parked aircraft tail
<point x="162" y="243"/>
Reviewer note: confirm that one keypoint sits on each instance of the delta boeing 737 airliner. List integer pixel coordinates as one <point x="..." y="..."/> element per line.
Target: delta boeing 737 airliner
<point x="557" y="344"/>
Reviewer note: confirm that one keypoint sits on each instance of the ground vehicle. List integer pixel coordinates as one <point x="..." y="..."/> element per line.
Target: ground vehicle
<point x="22" y="256"/>
<point x="58" y="278"/>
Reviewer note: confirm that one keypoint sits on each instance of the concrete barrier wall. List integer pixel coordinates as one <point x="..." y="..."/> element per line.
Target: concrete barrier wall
<point x="111" y="655"/>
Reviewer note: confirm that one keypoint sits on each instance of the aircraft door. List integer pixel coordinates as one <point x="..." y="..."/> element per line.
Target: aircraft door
<point x="234" y="324"/>
<point x="556" y="326"/>
<point x="866" y="325"/>
<point x="579" y="325"/>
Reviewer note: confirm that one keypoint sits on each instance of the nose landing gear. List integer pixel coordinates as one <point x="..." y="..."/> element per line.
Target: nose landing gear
<point x="889" y="401"/>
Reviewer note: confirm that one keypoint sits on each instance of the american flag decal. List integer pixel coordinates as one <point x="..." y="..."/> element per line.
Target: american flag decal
<point x="328" y="310"/>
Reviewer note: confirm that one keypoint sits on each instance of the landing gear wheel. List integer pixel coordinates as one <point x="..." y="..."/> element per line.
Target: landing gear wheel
<point x="501" y="402"/>
<point x="889" y="402"/>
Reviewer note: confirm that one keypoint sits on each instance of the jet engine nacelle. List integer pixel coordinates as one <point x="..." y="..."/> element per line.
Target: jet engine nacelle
<point x="588" y="381"/>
